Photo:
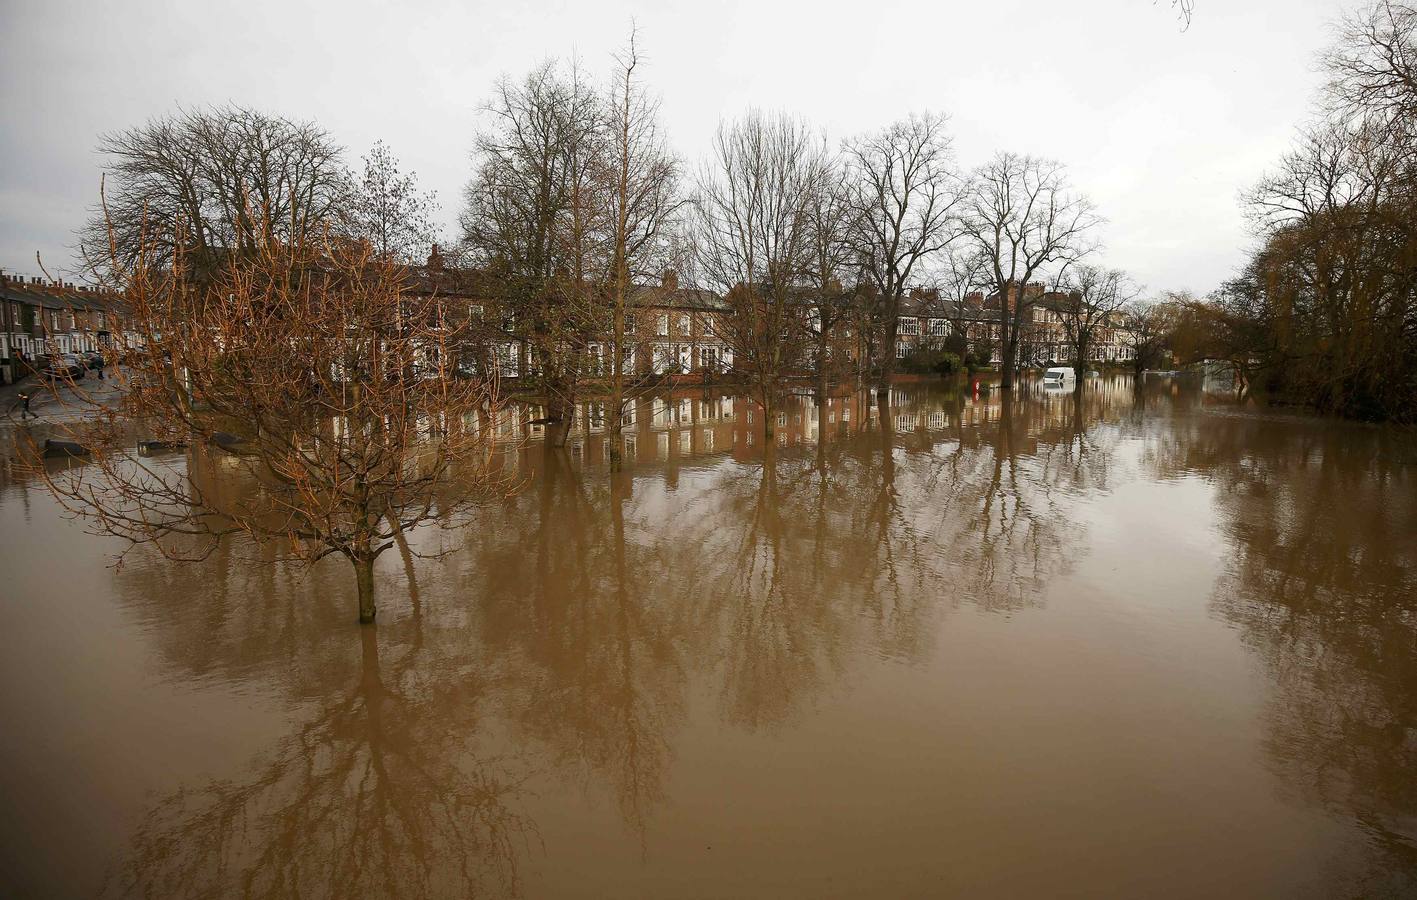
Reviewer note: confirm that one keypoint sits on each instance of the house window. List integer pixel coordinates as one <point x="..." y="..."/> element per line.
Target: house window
<point x="901" y="350"/>
<point x="938" y="328"/>
<point x="908" y="326"/>
<point x="662" y="325"/>
<point x="684" y="325"/>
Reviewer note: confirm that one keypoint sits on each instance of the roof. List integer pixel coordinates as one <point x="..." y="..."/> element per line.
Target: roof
<point x="55" y="295"/>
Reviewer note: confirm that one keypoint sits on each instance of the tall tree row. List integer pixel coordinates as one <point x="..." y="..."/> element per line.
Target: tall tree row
<point x="1325" y="312"/>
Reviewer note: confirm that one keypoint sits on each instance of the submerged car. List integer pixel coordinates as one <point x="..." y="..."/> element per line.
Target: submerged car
<point x="65" y="366"/>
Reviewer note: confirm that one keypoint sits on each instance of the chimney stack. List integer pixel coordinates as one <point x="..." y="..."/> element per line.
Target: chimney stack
<point x="670" y="280"/>
<point x="435" y="260"/>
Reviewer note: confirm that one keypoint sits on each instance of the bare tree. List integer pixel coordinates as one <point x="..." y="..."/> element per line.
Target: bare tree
<point x="961" y="275"/>
<point x="1023" y="220"/>
<point x="906" y="194"/>
<point x="531" y="219"/>
<point x="1092" y="298"/>
<point x="1149" y="326"/>
<point x="388" y="209"/>
<point x="830" y="273"/>
<point x="642" y="177"/>
<point x="227" y="173"/>
<point x="321" y="385"/>
<point x="1372" y="67"/>
<point x="753" y="233"/>
<point x="1324" y="312"/>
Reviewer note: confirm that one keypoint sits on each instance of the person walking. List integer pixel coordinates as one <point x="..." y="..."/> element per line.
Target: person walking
<point x="25" y="405"/>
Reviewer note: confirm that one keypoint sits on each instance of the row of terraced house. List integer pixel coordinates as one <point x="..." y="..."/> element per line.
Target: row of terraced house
<point x="672" y="329"/>
<point x="40" y="316"/>
<point x="929" y="321"/>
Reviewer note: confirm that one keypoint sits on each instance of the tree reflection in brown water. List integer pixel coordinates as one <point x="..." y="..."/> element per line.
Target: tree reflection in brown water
<point x="383" y="791"/>
<point x="571" y="662"/>
<point x="1322" y="582"/>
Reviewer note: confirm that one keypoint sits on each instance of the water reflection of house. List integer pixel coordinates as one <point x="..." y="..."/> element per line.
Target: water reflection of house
<point x="686" y="423"/>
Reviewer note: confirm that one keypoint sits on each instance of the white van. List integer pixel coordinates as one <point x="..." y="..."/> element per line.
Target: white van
<point x="1058" y="376"/>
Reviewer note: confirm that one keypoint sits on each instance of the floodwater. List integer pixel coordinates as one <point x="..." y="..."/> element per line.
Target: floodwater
<point x="1140" y="642"/>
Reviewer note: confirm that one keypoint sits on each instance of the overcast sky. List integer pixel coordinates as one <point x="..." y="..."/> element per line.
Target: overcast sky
<point x="1161" y="127"/>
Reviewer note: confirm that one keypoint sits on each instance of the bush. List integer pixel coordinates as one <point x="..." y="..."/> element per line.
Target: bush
<point x="931" y="362"/>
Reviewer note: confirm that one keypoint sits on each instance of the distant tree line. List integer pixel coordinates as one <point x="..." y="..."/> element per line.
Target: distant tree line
<point x="1325" y="310"/>
<point x="575" y="200"/>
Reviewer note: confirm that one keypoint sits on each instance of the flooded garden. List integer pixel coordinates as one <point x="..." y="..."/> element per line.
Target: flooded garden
<point x="1133" y="639"/>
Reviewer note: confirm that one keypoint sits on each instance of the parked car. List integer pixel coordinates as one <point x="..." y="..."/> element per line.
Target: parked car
<point x="92" y="359"/>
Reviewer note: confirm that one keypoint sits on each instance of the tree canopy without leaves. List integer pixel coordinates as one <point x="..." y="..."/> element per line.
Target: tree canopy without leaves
<point x="753" y="230"/>
<point x="641" y="183"/>
<point x="905" y="194"/>
<point x="1023" y="219"/>
<point x="1324" y="313"/>
<point x="535" y="216"/>
<point x="315" y="398"/>
<point x="388" y="209"/>
<point x="1092" y="300"/>
<point x="234" y="178"/>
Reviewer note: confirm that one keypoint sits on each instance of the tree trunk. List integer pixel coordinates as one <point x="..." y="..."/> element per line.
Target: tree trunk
<point x="888" y="343"/>
<point x="559" y="412"/>
<point x="613" y="434"/>
<point x="364" y="578"/>
<point x="1006" y="348"/>
<point x="614" y="409"/>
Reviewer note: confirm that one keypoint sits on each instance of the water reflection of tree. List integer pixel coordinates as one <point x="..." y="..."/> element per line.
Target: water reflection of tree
<point x="1320" y="520"/>
<point x="590" y="604"/>
<point x="772" y="591"/>
<point x="1001" y="488"/>
<point x="382" y="791"/>
<point x="590" y="632"/>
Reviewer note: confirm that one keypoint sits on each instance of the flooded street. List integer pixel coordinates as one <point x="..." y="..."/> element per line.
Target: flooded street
<point x="1140" y="642"/>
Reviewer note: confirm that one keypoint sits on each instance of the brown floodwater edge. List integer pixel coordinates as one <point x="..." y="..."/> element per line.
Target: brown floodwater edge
<point x="1135" y="639"/>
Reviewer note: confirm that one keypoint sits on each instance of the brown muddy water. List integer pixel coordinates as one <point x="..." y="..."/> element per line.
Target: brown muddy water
<point x="1144" y="643"/>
